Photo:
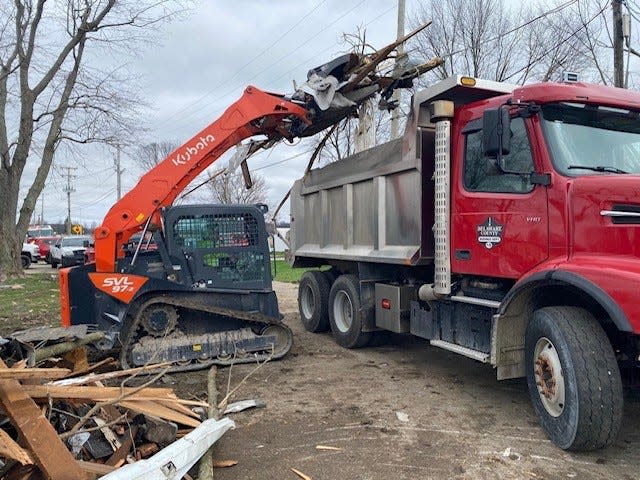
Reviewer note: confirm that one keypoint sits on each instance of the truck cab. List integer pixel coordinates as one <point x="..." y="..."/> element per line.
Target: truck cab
<point x="502" y="226"/>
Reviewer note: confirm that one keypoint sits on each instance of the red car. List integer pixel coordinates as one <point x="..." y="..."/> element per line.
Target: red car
<point x="44" y="244"/>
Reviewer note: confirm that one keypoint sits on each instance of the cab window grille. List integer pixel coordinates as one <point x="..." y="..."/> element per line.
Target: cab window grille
<point x="216" y="231"/>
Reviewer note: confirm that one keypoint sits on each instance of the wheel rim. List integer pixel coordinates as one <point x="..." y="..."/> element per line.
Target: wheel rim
<point x="343" y="311"/>
<point x="548" y="376"/>
<point x="307" y="302"/>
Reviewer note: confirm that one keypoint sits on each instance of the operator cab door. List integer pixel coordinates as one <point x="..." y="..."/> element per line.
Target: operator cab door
<point x="499" y="220"/>
<point x="220" y="246"/>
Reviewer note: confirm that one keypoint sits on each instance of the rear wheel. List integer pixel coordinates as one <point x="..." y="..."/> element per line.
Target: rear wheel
<point x="26" y="261"/>
<point x="573" y="378"/>
<point x="345" y="313"/>
<point x="313" y="300"/>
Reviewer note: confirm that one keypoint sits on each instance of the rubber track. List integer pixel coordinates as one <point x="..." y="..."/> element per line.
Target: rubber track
<point x="599" y="386"/>
<point x="251" y="317"/>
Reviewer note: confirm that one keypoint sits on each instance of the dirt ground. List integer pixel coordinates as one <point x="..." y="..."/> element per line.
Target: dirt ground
<point x="460" y="421"/>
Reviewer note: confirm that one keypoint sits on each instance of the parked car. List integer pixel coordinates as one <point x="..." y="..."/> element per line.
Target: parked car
<point x="30" y="253"/>
<point x="69" y="251"/>
<point x="44" y="244"/>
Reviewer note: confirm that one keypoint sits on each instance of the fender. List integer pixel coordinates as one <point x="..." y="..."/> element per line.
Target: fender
<point x="610" y="281"/>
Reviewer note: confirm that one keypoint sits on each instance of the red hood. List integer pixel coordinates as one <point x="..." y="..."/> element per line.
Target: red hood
<point x="593" y="228"/>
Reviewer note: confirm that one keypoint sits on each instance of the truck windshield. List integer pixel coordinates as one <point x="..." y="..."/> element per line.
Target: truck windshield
<point x="592" y="139"/>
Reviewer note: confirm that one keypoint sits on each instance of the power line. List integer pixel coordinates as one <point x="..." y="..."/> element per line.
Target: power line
<point x="262" y="167"/>
<point x="253" y="59"/>
<point x="546" y="52"/>
<point x="317" y="54"/>
<point x="519" y="27"/>
<point x="204" y="105"/>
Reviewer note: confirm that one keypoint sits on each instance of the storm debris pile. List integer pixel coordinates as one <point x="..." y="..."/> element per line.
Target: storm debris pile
<point x="61" y="421"/>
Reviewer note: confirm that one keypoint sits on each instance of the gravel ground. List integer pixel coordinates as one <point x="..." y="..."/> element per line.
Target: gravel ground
<point x="401" y="410"/>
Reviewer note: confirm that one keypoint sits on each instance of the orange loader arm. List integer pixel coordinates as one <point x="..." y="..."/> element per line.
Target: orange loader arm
<point x="255" y="113"/>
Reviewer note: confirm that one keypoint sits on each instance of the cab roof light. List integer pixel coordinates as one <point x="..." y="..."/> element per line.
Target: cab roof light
<point x="468" y="81"/>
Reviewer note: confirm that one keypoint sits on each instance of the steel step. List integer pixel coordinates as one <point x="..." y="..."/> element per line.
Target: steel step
<point x="467" y="352"/>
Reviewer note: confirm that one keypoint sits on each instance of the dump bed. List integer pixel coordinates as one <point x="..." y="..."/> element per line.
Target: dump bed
<point x="375" y="206"/>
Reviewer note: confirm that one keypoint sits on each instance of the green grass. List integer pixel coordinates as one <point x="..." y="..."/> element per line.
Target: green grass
<point x="29" y="301"/>
<point x="284" y="273"/>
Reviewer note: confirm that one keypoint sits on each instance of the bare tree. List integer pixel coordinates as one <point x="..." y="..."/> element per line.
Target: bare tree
<point x="152" y="154"/>
<point x="52" y="97"/>
<point x="230" y="189"/>
<point x="534" y="42"/>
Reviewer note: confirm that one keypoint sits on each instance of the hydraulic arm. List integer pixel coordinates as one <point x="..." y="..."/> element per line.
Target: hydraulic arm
<point x="255" y="113"/>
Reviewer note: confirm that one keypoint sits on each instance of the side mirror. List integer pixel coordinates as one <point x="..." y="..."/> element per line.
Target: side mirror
<point x="496" y="132"/>
<point x="86" y="243"/>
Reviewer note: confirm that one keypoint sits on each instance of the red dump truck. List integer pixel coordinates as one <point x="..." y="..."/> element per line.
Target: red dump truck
<point x="504" y="226"/>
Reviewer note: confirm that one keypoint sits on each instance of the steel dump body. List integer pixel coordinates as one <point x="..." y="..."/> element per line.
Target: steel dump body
<point x="374" y="206"/>
<point x="378" y="205"/>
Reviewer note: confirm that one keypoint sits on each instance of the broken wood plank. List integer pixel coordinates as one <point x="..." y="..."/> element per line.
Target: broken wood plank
<point x="109" y="436"/>
<point x="123" y="450"/>
<point x="151" y="408"/>
<point x="106" y="363"/>
<point x="93" y="393"/>
<point x="20" y="364"/>
<point x="108" y="375"/>
<point x="76" y="359"/>
<point x="178" y="407"/>
<point x="92" y="467"/>
<point x="10" y="449"/>
<point x="224" y="463"/>
<point x="48" y="451"/>
<point x="33" y="373"/>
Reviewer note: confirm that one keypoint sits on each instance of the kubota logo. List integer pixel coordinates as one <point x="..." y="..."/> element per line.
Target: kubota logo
<point x="183" y="157"/>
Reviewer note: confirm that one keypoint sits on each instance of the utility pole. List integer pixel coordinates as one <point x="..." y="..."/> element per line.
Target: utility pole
<point x="118" y="173"/>
<point x="68" y="190"/>
<point x="618" y="44"/>
<point x="41" y="222"/>
<point x="397" y="95"/>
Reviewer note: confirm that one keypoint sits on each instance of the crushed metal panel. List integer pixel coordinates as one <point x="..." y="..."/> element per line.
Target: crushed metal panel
<point x="38" y="334"/>
<point x="174" y="461"/>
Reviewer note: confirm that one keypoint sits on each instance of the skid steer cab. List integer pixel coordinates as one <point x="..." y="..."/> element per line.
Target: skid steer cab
<point x="195" y="293"/>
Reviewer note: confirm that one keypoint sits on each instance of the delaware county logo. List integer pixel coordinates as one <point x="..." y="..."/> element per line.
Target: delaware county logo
<point x="490" y="232"/>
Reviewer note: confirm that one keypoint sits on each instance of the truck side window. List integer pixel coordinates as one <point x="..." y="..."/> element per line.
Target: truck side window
<point x="482" y="174"/>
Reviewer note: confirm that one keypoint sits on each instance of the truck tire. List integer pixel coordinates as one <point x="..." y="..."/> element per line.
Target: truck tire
<point x="345" y="313"/>
<point x="26" y="261"/>
<point x="313" y="301"/>
<point x="573" y="378"/>
<point x="54" y="264"/>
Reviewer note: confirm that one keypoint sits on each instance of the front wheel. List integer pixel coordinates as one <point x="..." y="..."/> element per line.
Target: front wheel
<point x="345" y="313"/>
<point x="26" y="261"/>
<point x="573" y="378"/>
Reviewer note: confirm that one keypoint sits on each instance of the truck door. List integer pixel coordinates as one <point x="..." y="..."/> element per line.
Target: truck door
<point x="499" y="220"/>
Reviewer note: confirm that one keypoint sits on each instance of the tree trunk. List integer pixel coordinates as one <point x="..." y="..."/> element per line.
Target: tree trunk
<point x="10" y="241"/>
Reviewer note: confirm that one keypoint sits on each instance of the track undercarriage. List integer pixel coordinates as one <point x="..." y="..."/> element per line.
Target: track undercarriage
<point x="196" y="335"/>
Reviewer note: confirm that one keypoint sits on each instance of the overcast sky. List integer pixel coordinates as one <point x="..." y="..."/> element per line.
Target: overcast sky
<point x="203" y="62"/>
